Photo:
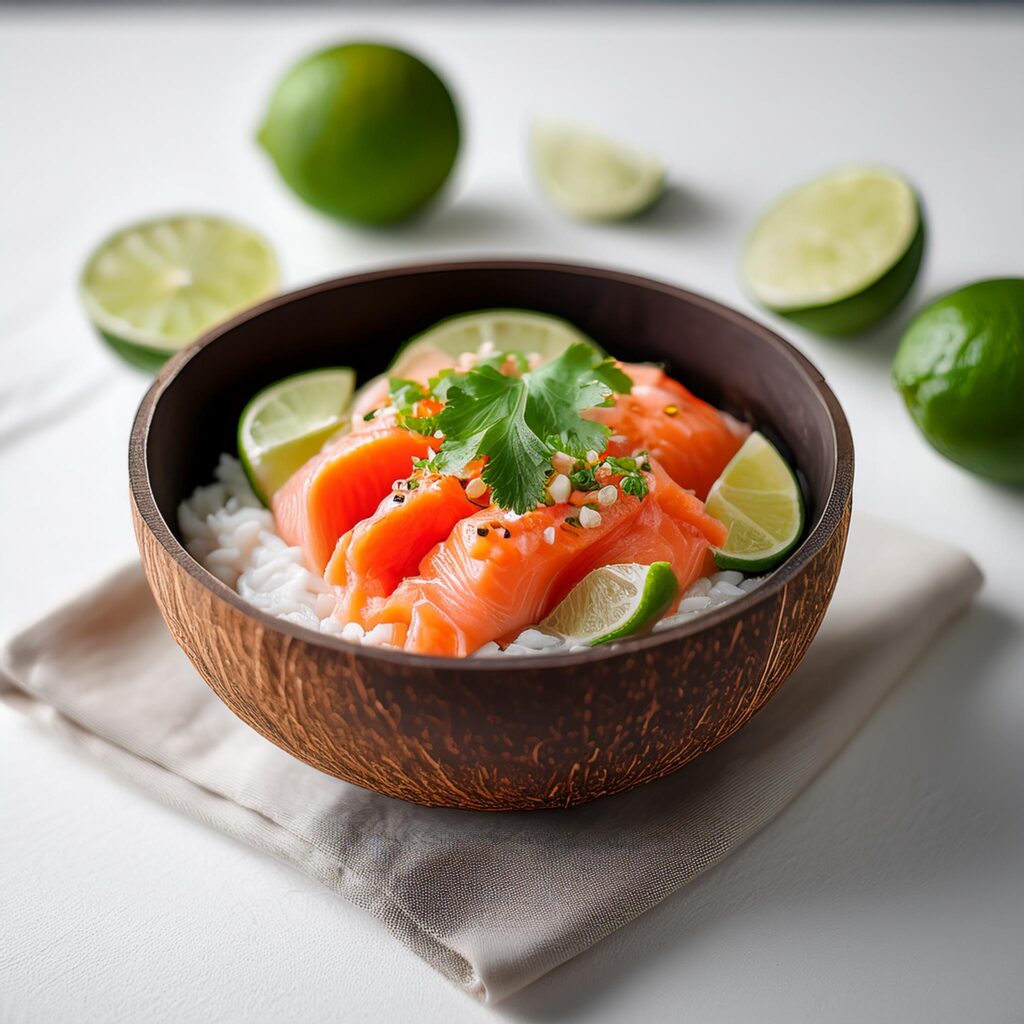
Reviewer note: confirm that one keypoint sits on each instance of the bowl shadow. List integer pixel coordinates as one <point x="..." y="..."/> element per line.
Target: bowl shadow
<point x="868" y="851"/>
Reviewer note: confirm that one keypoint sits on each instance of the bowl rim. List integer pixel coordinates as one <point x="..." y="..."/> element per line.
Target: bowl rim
<point x="839" y="491"/>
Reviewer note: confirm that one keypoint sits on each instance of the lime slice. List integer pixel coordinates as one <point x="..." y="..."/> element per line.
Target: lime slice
<point x="613" y="602"/>
<point x="503" y="330"/>
<point x="288" y="423"/>
<point x="588" y="176"/>
<point x="758" y="498"/>
<point x="152" y="288"/>
<point x="839" y="253"/>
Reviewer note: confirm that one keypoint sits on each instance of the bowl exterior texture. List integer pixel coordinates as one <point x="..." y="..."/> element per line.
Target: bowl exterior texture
<point x="514" y="739"/>
<point x="516" y="734"/>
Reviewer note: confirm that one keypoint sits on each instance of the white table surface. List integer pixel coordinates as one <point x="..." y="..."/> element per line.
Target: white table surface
<point x="894" y="889"/>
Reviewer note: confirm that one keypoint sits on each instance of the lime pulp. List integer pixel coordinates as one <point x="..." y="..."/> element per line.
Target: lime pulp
<point x="839" y="253"/>
<point x="288" y="422"/>
<point x="152" y="288"/>
<point x="613" y="602"/>
<point x="758" y="498"/>
<point x="495" y="330"/>
<point x="590" y="177"/>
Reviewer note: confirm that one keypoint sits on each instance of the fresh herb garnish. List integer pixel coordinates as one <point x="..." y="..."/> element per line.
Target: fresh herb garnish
<point x="519" y="422"/>
<point x="632" y="471"/>
<point x="438" y="386"/>
<point x="405" y="396"/>
<point x="635" y="485"/>
<point x="584" y="480"/>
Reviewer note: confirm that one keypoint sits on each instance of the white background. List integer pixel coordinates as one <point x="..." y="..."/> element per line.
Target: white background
<point x="893" y="890"/>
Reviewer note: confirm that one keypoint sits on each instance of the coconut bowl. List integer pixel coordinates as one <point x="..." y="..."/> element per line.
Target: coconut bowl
<point x="512" y="733"/>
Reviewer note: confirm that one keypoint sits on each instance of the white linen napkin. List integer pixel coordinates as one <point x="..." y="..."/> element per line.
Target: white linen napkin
<point x="493" y="901"/>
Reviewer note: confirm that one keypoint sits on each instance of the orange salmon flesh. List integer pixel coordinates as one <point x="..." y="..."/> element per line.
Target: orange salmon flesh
<point x="430" y="556"/>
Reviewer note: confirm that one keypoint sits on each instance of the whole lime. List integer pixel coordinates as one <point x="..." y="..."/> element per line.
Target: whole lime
<point x="364" y="132"/>
<point x="960" y="367"/>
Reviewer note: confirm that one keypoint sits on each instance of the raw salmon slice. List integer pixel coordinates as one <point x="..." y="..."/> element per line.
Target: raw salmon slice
<point x="664" y="531"/>
<point x="373" y="558"/>
<point x="342" y="485"/>
<point x="691" y="439"/>
<point x="497" y="574"/>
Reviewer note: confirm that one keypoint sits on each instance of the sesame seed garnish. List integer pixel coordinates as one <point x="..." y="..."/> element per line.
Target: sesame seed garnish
<point x="671" y="410"/>
<point x="482" y="531"/>
<point x="398" y="498"/>
<point x="475" y="488"/>
<point x="608" y="495"/>
<point x="589" y="518"/>
<point x="549" y="535"/>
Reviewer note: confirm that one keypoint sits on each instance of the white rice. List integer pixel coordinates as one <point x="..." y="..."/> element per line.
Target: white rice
<point x="232" y="535"/>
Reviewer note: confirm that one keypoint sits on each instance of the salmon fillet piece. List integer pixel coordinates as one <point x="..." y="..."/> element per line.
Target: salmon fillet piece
<point x="343" y="485"/>
<point x="496" y="574"/>
<point x="373" y="558"/>
<point x="691" y="439"/>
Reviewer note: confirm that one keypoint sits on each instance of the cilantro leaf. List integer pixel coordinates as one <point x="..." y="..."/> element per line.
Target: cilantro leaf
<point x="612" y="377"/>
<point x="517" y="472"/>
<point x="439" y="385"/>
<point x="404" y="394"/>
<point x="580" y="378"/>
<point x="517" y="422"/>
<point x="478" y="407"/>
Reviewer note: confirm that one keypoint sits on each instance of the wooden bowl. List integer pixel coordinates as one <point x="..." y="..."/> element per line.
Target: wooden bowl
<point x="491" y="734"/>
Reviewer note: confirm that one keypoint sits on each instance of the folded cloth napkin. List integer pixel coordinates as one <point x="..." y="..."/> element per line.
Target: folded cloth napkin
<point x="493" y="901"/>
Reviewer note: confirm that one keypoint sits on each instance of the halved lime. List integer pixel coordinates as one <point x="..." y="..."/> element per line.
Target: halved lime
<point x="837" y="254"/>
<point x="288" y="423"/>
<point x="759" y="500"/>
<point x="152" y="288"/>
<point x="503" y="330"/>
<point x="591" y="177"/>
<point x="613" y="602"/>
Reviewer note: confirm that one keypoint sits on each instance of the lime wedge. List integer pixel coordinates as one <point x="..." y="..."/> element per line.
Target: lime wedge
<point x="502" y="330"/>
<point x="613" y="602"/>
<point x="839" y="253"/>
<point x="152" y="288"/>
<point x="288" y="422"/>
<point x="758" y="498"/>
<point x="590" y="177"/>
